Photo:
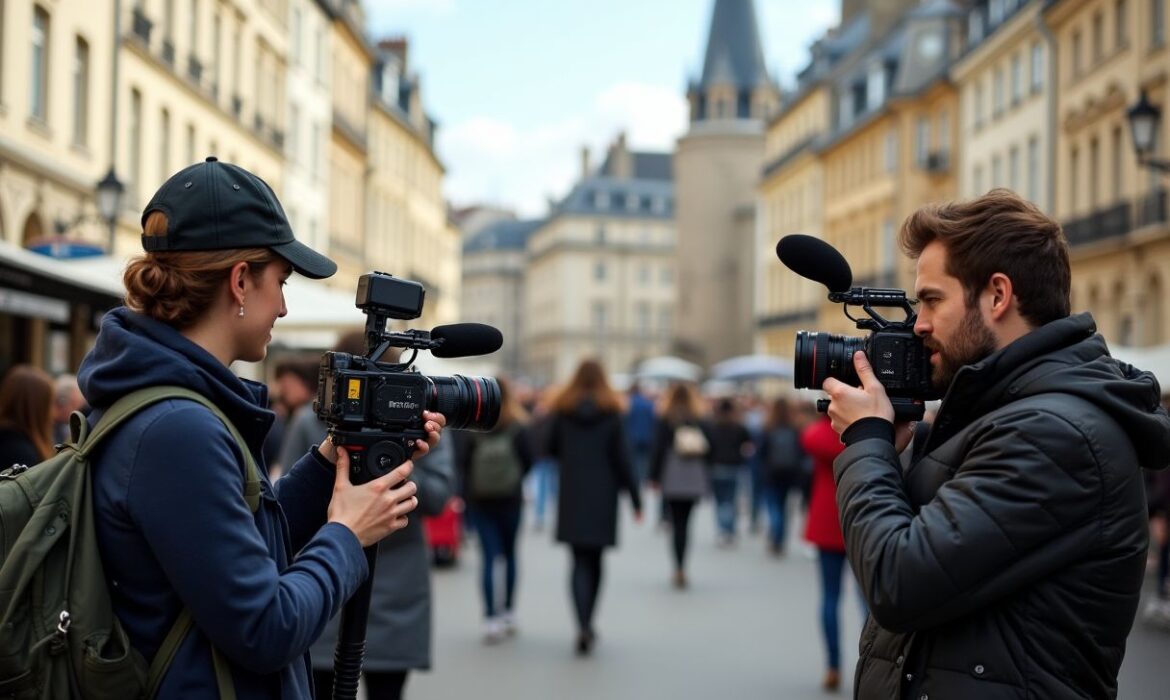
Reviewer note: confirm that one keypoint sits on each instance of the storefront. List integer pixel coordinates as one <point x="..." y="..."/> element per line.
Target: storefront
<point x="50" y="309"/>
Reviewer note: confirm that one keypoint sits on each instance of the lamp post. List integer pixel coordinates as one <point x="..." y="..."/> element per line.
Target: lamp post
<point x="109" y="202"/>
<point x="1145" y="119"/>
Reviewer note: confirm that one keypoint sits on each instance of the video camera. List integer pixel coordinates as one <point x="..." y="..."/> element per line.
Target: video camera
<point x="375" y="409"/>
<point x="900" y="360"/>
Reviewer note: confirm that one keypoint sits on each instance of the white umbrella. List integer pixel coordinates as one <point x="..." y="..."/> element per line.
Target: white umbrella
<point x="669" y="368"/>
<point x="747" y="367"/>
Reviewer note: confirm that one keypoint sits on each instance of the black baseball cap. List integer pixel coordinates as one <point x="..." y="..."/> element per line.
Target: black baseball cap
<point x="219" y="206"/>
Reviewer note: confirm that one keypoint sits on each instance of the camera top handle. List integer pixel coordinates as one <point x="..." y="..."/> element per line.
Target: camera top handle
<point x="867" y="298"/>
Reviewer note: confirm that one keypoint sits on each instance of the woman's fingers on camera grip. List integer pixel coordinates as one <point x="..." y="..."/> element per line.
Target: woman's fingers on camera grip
<point x="374" y="509"/>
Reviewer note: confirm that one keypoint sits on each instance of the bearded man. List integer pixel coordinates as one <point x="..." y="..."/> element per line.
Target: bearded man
<point x="1006" y="561"/>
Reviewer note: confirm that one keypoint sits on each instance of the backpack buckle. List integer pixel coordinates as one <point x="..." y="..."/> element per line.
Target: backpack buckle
<point x="63" y="622"/>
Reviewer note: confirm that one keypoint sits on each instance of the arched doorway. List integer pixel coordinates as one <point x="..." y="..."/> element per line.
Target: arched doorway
<point x="33" y="230"/>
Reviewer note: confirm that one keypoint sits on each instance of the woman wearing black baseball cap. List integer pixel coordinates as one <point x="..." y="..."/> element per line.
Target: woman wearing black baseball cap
<point x="260" y="577"/>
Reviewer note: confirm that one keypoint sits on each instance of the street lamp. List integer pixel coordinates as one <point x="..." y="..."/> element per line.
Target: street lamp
<point x="1144" y="121"/>
<point x="109" y="202"/>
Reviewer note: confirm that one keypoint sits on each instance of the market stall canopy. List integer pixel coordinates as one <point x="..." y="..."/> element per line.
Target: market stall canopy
<point x="749" y="367"/>
<point x="669" y="368"/>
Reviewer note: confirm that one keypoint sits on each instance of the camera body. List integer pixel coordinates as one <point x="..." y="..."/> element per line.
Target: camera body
<point x="375" y="409"/>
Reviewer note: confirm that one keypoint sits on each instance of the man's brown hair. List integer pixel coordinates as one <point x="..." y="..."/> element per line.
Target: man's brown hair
<point x="998" y="232"/>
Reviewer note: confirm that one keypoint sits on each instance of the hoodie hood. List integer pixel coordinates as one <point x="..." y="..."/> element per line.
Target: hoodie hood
<point x="588" y="412"/>
<point x="1068" y="356"/>
<point x="134" y="352"/>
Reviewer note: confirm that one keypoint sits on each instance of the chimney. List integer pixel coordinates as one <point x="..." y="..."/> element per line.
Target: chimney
<point x="397" y="45"/>
<point x="585" y="165"/>
<point x="621" y="163"/>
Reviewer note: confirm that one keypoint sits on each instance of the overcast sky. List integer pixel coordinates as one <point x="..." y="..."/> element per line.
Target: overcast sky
<point x="519" y="86"/>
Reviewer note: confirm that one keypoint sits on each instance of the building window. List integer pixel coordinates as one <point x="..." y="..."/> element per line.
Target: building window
<point x="1098" y="37"/>
<point x="1076" y="54"/>
<point x="1121" y="24"/>
<point x="994" y="12"/>
<point x="194" y="35"/>
<point x="996" y="170"/>
<point x="642" y="314"/>
<point x="164" y="145"/>
<point x="891" y="150"/>
<point x="975" y="26"/>
<point x="600" y="316"/>
<point x="1014" y="169"/>
<point x="1037" y="66"/>
<point x="997" y="93"/>
<point x="643" y="275"/>
<point x="1073" y="185"/>
<point x="1157" y="21"/>
<point x="295" y="36"/>
<point x="978" y="106"/>
<point x="39" y="85"/>
<point x="599" y="235"/>
<point x="944" y="131"/>
<point x="1094" y="172"/>
<point x="1033" y="168"/>
<point x="1115" y="171"/>
<point x="168" y="21"/>
<point x="314" y="150"/>
<point x="875" y="92"/>
<point x="190" y="143"/>
<point x="81" y="92"/>
<point x="599" y="271"/>
<point x="921" y="141"/>
<point x="1017" y="79"/>
<point x="978" y="180"/>
<point x="666" y="276"/>
<point x="135" y="143"/>
<point x="665" y="319"/>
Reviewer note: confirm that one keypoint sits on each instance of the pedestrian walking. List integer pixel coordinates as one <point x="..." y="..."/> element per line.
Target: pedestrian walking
<point x="26" y="416"/>
<point x="640" y="430"/>
<point x="545" y="475"/>
<point x="678" y="468"/>
<point x="1008" y="560"/>
<point x="588" y="441"/>
<point x="67" y="398"/>
<point x="731" y="446"/>
<point x="823" y="531"/>
<point x="784" y="466"/>
<point x="493" y="467"/>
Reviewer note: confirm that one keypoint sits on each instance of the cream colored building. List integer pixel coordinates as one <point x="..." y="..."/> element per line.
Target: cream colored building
<point x="791" y="201"/>
<point x="1006" y="102"/>
<point x="1113" y="211"/>
<point x="309" y="122"/>
<point x="351" y="60"/>
<point x="494" y="264"/>
<point x="717" y="168"/>
<point x="408" y="232"/>
<point x="601" y="270"/>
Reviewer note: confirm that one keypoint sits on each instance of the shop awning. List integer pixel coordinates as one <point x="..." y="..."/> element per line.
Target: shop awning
<point x="38" y="286"/>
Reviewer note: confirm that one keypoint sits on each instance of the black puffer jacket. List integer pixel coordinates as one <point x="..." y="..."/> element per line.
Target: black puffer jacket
<point x="1007" y="561"/>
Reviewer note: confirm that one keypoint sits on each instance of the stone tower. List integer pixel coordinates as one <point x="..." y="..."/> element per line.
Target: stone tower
<point x="717" y="166"/>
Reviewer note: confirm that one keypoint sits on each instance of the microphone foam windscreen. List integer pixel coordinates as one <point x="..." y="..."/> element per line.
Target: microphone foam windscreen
<point x="464" y="339"/>
<point x="816" y="260"/>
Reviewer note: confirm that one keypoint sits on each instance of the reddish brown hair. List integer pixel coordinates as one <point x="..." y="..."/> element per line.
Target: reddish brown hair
<point x="26" y="405"/>
<point x="588" y="383"/>
<point x="177" y="287"/>
<point x="681" y="404"/>
<point x="998" y="232"/>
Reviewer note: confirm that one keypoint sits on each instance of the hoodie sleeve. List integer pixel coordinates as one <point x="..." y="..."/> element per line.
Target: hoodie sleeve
<point x="185" y="497"/>
<point x="1023" y="502"/>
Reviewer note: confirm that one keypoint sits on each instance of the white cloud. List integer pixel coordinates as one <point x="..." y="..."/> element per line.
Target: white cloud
<point x="492" y="161"/>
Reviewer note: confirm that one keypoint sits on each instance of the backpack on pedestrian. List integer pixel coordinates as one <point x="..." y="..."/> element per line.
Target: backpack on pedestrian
<point x="784" y="458"/>
<point x="59" y="636"/>
<point x="495" y="470"/>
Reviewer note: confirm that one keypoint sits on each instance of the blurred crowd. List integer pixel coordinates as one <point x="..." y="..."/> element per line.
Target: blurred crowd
<point x="567" y="455"/>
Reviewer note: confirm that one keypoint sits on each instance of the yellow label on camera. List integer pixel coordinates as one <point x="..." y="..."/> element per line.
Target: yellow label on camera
<point x="355" y="388"/>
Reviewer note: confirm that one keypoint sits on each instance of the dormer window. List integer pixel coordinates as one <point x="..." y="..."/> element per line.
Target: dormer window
<point x="975" y="26"/>
<point x="994" y="12"/>
<point x="875" y="92"/>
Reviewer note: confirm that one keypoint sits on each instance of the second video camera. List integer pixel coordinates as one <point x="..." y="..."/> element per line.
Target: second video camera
<point x="373" y="408"/>
<point x="899" y="359"/>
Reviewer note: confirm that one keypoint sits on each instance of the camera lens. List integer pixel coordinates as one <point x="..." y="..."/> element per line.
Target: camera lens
<point x="823" y="355"/>
<point x="469" y="403"/>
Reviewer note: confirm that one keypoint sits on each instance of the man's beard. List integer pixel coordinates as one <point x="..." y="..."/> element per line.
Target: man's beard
<point x="973" y="341"/>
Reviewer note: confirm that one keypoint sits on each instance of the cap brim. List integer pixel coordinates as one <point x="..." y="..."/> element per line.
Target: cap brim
<point x="305" y="260"/>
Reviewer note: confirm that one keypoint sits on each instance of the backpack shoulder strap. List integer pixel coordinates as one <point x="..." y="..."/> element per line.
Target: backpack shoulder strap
<point x="132" y="403"/>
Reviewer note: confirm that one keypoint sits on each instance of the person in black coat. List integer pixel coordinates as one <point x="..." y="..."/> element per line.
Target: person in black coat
<point x="588" y="440"/>
<point x="1007" y="561"/>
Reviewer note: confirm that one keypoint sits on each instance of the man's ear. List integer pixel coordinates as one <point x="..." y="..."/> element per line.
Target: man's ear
<point x="1001" y="294"/>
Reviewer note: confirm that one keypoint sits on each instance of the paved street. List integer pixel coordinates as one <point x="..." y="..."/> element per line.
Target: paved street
<point x="746" y="629"/>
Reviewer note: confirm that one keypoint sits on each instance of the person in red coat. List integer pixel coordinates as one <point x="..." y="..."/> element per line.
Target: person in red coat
<point x="823" y="530"/>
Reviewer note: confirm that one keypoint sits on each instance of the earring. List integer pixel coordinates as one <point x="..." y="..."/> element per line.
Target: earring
<point x="241" y="314"/>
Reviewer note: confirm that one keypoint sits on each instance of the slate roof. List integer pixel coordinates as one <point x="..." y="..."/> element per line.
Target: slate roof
<point x="608" y="196"/>
<point x="734" y="55"/>
<point x="647" y="165"/>
<point x="509" y="234"/>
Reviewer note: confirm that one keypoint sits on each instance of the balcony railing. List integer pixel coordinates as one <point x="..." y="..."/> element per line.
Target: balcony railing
<point x="1100" y="225"/>
<point x="1151" y="209"/>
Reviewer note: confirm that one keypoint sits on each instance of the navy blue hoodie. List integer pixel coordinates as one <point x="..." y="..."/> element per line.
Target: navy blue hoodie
<point x="174" y="529"/>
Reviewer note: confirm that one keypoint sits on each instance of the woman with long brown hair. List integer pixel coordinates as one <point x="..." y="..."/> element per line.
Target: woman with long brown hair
<point x="678" y="465"/>
<point x="26" y="416"/>
<point x="588" y="440"/>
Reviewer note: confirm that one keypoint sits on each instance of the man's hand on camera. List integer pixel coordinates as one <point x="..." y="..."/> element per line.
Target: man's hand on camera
<point x="848" y="404"/>
<point x="376" y="508"/>
<point x="434" y="427"/>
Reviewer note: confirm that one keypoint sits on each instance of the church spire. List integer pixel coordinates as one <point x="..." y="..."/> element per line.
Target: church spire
<point x="735" y="82"/>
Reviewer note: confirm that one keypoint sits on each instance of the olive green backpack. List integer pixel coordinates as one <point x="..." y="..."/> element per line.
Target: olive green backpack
<point x="59" y="637"/>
